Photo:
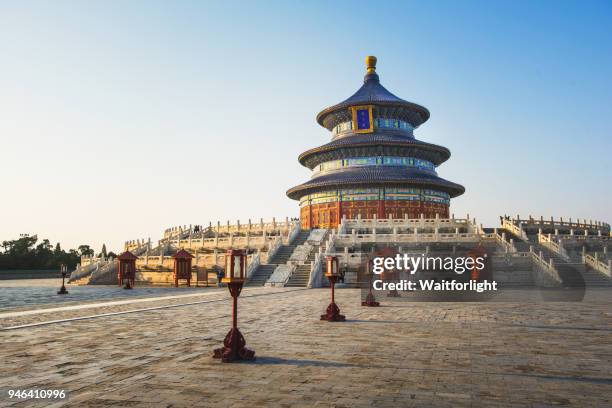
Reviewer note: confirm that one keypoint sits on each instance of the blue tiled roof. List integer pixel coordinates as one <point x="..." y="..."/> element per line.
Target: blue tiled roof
<point x="372" y="92"/>
<point x="373" y="176"/>
<point x="440" y="153"/>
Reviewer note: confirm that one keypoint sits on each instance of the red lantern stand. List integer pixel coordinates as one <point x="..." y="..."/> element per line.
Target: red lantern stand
<point x="234" y="344"/>
<point x="127" y="269"/>
<point x="182" y="267"/>
<point x="333" y="311"/>
<point x="370" y="300"/>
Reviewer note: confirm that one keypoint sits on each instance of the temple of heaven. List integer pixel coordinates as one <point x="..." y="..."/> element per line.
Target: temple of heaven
<point x="373" y="166"/>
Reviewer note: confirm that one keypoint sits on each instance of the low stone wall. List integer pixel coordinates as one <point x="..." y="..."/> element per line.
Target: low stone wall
<point x="14" y="274"/>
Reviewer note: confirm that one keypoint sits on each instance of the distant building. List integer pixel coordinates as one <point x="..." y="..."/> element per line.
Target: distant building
<point x="373" y="167"/>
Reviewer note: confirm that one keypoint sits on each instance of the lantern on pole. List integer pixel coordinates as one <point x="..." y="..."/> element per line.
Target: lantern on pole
<point x="370" y="300"/>
<point x="235" y="274"/>
<point x="333" y="274"/>
<point x="64" y="270"/>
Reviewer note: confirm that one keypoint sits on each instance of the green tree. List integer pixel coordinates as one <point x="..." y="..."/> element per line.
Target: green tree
<point x="85" y="250"/>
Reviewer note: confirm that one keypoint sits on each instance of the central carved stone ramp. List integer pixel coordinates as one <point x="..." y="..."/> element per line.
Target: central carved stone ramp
<point x="263" y="272"/>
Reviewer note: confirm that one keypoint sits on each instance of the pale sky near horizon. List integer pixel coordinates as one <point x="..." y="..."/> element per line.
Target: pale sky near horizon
<point x="119" y="119"/>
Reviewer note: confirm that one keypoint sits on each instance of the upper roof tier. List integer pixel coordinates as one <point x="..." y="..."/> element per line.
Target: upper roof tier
<point x="372" y="92"/>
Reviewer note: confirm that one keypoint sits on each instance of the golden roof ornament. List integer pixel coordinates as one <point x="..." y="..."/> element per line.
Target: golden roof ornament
<point x="371" y="64"/>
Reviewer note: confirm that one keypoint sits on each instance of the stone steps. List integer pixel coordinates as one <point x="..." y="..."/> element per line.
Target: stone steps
<point x="300" y="277"/>
<point x="261" y="275"/>
<point x="281" y="257"/>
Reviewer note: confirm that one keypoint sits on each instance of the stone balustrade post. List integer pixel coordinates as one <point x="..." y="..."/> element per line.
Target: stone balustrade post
<point x="586" y="232"/>
<point x="571" y="232"/>
<point x="353" y="236"/>
<point x="556" y="231"/>
<point x="274" y="222"/>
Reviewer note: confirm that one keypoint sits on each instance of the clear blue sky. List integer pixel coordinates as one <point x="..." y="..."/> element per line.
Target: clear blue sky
<point x="118" y="119"/>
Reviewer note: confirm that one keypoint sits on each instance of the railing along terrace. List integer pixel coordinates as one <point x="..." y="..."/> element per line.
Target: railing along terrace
<point x="516" y="229"/>
<point x="224" y="242"/>
<point x="273" y="225"/>
<point x="354" y="238"/>
<point x="347" y="224"/>
<point x="604" y="227"/>
<point x="200" y="259"/>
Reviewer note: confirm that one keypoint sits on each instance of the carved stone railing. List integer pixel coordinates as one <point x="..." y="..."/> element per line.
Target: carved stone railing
<point x="294" y="231"/>
<point x="515" y="229"/>
<point x="274" y="247"/>
<point x="557" y="247"/>
<point x="354" y="238"/>
<point x="347" y="225"/>
<point x="316" y="271"/>
<point x="548" y="273"/>
<point x="106" y="274"/>
<point x="180" y="230"/>
<point x="82" y="271"/>
<point x="253" y="264"/>
<point x="507" y="244"/>
<point x="567" y="223"/>
<point x="595" y="263"/>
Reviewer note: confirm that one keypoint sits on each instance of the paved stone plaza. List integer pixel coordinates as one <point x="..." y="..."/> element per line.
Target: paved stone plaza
<point x="401" y="354"/>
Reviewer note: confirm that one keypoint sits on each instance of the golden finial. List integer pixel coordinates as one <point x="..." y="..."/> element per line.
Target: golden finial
<point x="371" y="64"/>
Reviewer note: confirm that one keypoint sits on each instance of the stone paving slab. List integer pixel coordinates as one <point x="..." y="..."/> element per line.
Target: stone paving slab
<point x="398" y="355"/>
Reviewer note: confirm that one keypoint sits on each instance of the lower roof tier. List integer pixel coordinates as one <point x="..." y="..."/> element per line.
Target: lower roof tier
<point x="381" y="143"/>
<point x="375" y="176"/>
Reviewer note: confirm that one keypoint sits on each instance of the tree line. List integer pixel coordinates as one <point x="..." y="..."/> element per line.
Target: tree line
<point x="27" y="253"/>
